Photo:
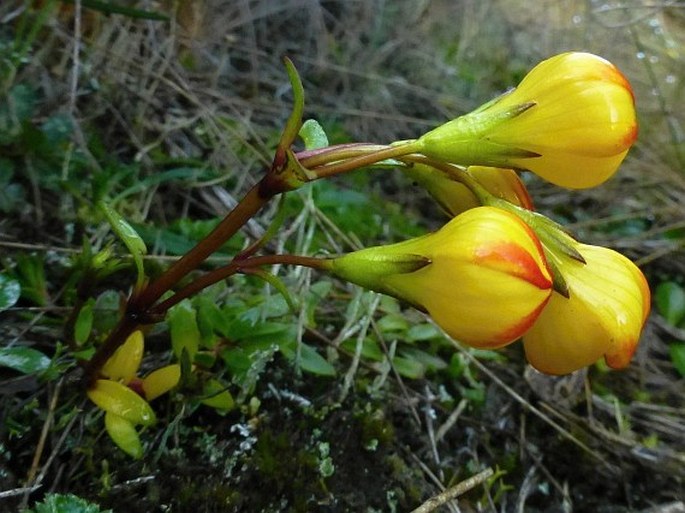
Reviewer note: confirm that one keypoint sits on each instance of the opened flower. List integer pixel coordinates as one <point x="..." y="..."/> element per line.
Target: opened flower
<point x="608" y="304"/>
<point x="124" y="397"/>
<point x="571" y="121"/>
<point x="483" y="277"/>
<point x="454" y="197"/>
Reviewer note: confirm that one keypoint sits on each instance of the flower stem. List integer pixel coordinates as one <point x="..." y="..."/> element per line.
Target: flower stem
<point x="253" y="201"/>
<point x="235" y="267"/>
<point x="139" y="306"/>
<point x="350" y="158"/>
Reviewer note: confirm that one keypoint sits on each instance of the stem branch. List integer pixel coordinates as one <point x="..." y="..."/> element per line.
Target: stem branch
<point x="234" y="267"/>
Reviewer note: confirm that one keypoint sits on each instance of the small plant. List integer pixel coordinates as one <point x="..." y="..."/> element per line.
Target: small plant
<point x="496" y="272"/>
<point x="60" y="503"/>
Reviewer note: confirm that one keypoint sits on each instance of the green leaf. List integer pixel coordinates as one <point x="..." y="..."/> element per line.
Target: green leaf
<point x="59" y="503"/>
<point x="313" y="135"/>
<point x="210" y="320"/>
<point x="309" y="359"/>
<point x="124" y="434"/>
<point x="246" y="364"/>
<point x="24" y="359"/>
<point x="424" y="331"/>
<point x="677" y="350"/>
<point x="408" y="367"/>
<point x="278" y="284"/>
<point x="429" y="361"/>
<point x="670" y="300"/>
<point x="185" y="334"/>
<point x="30" y="272"/>
<point x="294" y="122"/>
<point x="217" y="396"/>
<point x="370" y="348"/>
<point x="10" y="290"/>
<point x="84" y="322"/>
<point x="128" y="236"/>
<point x="393" y="323"/>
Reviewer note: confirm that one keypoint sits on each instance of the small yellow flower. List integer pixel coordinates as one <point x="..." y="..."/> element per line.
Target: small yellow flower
<point x="124" y="397"/>
<point x="454" y="197"/>
<point x="571" y="121"/>
<point x="608" y="304"/>
<point x="482" y="277"/>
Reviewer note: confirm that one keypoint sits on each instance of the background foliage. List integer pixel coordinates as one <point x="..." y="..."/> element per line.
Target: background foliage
<point x="168" y="111"/>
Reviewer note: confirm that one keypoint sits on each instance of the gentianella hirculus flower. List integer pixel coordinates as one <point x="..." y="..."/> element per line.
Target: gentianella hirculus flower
<point x="571" y="121"/>
<point x="454" y="197"/>
<point x="482" y="277"/>
<point x="608" y="304"/>
<point x="124" y="397"/>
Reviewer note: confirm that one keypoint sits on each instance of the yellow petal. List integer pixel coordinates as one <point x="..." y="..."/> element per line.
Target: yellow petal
<point x="454" y="197"/>
<point x="571" y="121"/>
<point x="160" y="381"/>
<point x="604" y="315"/>
<point x="123" y="433"/>
<point x="503" y="183"/>
<point x="486" y="281"/>
<point x="125" y="361"/>
<point x="116" y="398"/>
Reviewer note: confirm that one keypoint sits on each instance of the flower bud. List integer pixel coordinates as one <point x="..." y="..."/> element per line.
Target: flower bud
<point x="608" y="304"/>
<point x="571" y="121"/>
<point x="454" y="197"/>
<point x="482" y="277"/>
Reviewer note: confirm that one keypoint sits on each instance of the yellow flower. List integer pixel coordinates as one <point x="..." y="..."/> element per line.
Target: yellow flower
<point x="571" y="121"/>
<point x="608" y="304"/>
<point x="454" y="197"/>
<point x="482" y="277"/>
<point x="124" y="397"/>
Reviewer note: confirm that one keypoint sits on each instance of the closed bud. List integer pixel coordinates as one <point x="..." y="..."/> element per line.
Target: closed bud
<point x="571" y="121"/>
<point x="454" y="197"/>
<point x="608" y="304"/>
<point x="482" y="277"/>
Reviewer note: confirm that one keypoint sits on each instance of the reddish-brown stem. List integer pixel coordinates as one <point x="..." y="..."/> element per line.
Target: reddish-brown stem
<point x="234" y="267"/>
<point x="138" y="309"/>
<point x="253" y="201"/>
<point x="350" y="159"/>
<point x="315" y="158"/>
<point x="321" y="163"/>
<point x="127" y="325"/>
<point x="304" y="155"/>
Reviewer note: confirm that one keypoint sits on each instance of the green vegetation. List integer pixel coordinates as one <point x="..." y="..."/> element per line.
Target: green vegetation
<point x="125" y="143"/>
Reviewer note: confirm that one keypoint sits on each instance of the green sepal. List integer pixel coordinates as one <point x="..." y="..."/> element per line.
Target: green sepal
<point x="292" y="126"/>
<point x="369" y="267"/>
<point x="559" y="284"/>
